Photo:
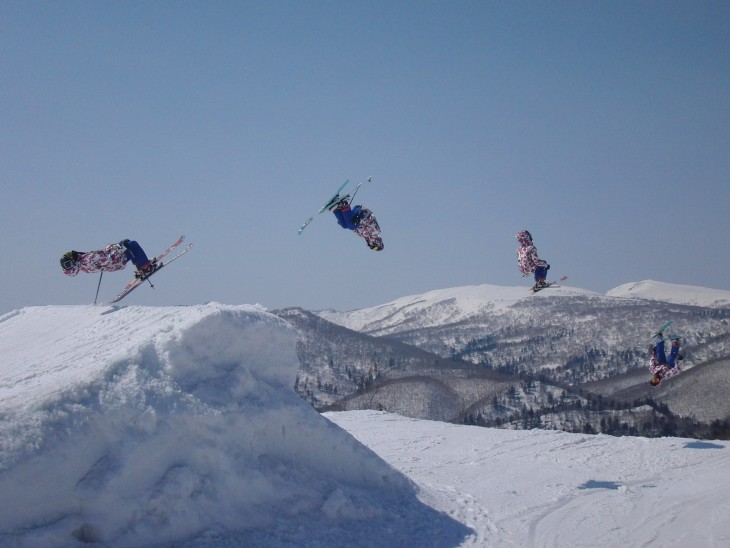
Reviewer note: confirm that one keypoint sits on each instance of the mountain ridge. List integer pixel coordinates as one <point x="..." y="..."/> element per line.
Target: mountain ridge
<point x="470" y="299"/>
<point x="578" y="345"/>
<point x="673" y="293"/>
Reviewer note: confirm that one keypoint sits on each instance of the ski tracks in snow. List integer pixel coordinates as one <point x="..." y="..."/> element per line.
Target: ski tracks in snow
<point x="637" y="504"/>
<point x="543" y="488"/>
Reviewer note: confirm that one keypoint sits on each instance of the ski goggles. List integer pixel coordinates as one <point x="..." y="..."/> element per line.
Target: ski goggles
<point x="68" y="262"/>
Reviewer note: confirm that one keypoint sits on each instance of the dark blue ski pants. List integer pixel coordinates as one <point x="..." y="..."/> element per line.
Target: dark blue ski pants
<point x="135" y="253"/>
<point x="348" y="218"/>
<point x="661" y="356"/>
<point x="540" y="273"/>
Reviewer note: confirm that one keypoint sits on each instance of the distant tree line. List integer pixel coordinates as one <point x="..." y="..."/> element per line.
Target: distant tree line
<point x="616" y="418"/>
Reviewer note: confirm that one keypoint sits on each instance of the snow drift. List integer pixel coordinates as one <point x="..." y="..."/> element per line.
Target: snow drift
<point x="140" y="426"/>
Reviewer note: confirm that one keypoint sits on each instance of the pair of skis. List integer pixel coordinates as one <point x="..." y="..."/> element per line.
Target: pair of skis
<point x="535" y="289"/>
<point x="332" y="201"/>
<point x="139" y="279"/>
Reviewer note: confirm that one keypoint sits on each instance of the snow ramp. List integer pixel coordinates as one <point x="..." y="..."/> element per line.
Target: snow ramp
<point x="144" y="426"/>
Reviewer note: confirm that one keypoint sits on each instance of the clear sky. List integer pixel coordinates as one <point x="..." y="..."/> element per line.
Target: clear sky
<point x="601" y="127"/>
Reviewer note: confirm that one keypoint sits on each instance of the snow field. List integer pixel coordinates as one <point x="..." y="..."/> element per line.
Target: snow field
<point x="549" y="488"/>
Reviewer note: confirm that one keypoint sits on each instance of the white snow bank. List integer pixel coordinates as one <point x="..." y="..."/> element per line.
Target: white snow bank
<point x="672" y="293"/>
<point x="141" y="426"/>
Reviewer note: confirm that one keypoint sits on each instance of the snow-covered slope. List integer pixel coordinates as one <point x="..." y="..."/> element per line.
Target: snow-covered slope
<point x="139" y="426"/>
<point x="547" y="488"/>
<point x="441" y="306"/>
<point x="672" y="293"/>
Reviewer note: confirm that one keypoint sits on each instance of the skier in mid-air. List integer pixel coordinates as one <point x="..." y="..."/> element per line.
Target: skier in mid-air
<point x="662" y="366"/>
<point x="358" y="219"/>
<point x="529" y="262"/>
<point x="112" y="257"/>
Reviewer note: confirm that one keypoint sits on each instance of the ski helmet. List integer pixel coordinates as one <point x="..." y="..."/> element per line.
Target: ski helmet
<point x="376" y="244"/>
<point x="68" y="261"/>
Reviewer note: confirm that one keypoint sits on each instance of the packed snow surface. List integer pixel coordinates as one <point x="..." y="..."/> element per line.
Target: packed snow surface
<point x="140" y="426"/>
<point x="548" y="488"/>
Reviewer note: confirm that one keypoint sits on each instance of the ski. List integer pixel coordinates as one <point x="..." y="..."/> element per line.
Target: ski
<point x="549" y="284"/>
<point x="137" y="281"/>
<point x="335" y="198"/>
<point x="134" y="284"/>
<point x="301" y="228"/>
<point x="325" y="207"/>
<point x="662" y="328"/>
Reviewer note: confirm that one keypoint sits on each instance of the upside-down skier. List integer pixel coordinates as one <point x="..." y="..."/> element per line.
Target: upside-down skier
<point x="662" y="366"/>
<point x="358" y="219"/>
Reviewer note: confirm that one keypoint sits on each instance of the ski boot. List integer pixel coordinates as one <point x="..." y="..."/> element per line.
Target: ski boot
<point x="339" y="202"/>
<point x="147" y="270"/>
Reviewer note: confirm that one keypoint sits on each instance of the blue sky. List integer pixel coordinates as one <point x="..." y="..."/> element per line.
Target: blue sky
<point x="601" y="127"/>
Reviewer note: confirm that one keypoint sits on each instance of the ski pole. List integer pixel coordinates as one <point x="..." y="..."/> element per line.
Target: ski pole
<point x="97" y="287"/>
<point x="146" y="277"/>
<point x="358" y="188"/>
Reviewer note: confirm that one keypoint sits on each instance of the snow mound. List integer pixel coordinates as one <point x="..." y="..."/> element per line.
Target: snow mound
<point x="151" y="426"/>
<point x="443" y="306"/>
<point x="673" y="293"/>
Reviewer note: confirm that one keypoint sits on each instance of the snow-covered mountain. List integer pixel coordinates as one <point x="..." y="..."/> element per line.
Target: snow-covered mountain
<point x="139" y="426"/>
<point x="457" y="304"/>
<point x="565" y="338"/>
<point x="440" y="307"/>
<point x="569" y="335"/>
<point x="673" y="293"/>
<point x="343" y="369"/>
